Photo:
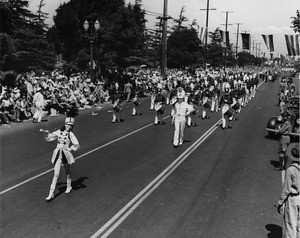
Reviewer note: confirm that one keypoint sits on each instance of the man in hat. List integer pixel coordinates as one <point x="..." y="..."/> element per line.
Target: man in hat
<point x="289" y="202"/>
<point x="284" y="140"/>
<point x="181" y="110"/>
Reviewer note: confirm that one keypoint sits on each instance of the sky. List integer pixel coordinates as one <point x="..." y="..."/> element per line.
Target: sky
<point x="256" y="17"/>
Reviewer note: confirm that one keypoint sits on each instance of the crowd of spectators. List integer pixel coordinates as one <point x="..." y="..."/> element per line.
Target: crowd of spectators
<point x="56" y="89"/>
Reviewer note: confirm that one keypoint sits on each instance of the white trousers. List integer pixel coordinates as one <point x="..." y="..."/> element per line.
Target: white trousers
<point x="224" y="117"/>
<point x="291" y="218"/>
<point x="179" y="123"/>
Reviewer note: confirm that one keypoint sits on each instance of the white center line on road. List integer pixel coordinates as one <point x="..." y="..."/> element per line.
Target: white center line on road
<point x="116" y="220"/>
<point x="80" y="156"/>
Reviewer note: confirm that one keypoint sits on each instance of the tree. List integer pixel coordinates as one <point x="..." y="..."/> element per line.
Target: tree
<point x="296" y="22"/>
<point x="183" y="46"/>
<point x="121" y="36"/>
<point x="25" y="46"/>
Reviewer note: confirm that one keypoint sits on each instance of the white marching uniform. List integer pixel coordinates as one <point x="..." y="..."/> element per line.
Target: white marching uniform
<point x="63" y="149"/>
<point x="62" y="155"/>
<point x="181" y="110"/>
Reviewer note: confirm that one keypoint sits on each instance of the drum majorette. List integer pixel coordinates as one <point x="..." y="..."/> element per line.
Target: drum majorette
<point x="66" y="143"/>
<point x="181" y="110"/>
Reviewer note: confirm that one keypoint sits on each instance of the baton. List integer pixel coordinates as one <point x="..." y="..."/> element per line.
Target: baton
<point x="45" y="131"/>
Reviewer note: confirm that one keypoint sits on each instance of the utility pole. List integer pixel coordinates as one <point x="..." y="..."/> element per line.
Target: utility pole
<point x="164" y="40"/>
<point x="226" y="24"/>
<point x="237" y="37"/>
<point x="206" y="32"/>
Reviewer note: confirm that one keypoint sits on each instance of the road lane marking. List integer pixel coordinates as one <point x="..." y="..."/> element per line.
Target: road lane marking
<point x="117" y="219"/>
<point x="80" y="156"/>
<point x="87" y="153"/>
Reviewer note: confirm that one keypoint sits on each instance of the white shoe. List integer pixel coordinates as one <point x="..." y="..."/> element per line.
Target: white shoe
<point x="50" y="196"/>
<point x="68" y="190"/>
<point x="180" y="143"/>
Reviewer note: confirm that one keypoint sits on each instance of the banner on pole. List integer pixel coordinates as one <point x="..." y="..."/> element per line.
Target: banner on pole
<point x="268" y="39"/>
<point x="245" y="41"/>
<point x="292" y="44"/>
<point x="225" y="37"/>
<point x="202" y="34"/>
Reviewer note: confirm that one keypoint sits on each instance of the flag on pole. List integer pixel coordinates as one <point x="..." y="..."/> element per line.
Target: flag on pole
<point x="203" y="32"/>
<point x="245" y="41"/>
<point x="292" y="44"/>
<point x="268" y="39"/>
<point x="225" y="37"/>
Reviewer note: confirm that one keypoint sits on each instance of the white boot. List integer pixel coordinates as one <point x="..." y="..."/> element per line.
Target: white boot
<point x="51" y="193"/>
<point x="69" y="187"/>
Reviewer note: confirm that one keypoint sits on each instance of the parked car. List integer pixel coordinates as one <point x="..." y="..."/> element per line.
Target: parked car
<point x="275" y="122"/>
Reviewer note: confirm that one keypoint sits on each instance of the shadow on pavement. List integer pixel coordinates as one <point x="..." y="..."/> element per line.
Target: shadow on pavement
<point x="275" y="231"/>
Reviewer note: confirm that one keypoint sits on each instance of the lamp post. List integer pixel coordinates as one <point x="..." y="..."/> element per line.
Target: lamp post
<point x="91" y="32"/>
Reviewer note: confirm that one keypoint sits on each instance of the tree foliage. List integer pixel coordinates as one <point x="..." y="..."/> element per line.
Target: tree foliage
<point x="120" y="37"/>
<point x="183" y="45"/>
<point x="296" y="22"/>
<point x="22" y="36"/>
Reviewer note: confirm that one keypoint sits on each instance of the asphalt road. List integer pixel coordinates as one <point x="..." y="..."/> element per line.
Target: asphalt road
<point x="129" y="181"/>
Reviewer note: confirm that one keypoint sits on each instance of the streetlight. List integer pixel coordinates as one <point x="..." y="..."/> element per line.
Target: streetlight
<point x="91" y="32"/>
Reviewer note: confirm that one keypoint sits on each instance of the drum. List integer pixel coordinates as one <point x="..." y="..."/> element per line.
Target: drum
<point x="161" y="109"/>
<point x="195" y="110"/>
<point x="230" y="112"/>
<point x="236" y="106"/>
<point x="118" y="107"/>
<point x="137" y="101"/>
<point x="207" y="103"/>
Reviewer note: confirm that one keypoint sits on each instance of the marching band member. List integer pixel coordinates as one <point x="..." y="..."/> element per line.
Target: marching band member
<point x="226" y="101"/>
<point x="62" y="154"/>
<point x="159" y="106"/>
<point x="152" y="99"/>
<point x="173" y="100"/>
<point x="235" y="105"/>
<point x="136" y="105"/>
<point x="193" y="102"/>
<point x="206" y="102"/>
<point x="181" y="110"/>
<point x="117" y="100"/>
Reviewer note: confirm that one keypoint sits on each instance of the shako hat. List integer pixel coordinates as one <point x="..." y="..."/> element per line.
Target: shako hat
<point x="69" y="121"/>
<point x="180" y="93"/>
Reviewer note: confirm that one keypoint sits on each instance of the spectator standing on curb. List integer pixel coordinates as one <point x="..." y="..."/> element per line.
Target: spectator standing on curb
<point x="284" y="141"/>
<point x="289" y="202"/>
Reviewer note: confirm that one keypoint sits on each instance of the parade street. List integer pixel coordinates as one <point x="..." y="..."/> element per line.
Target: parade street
<point x="129" y="180"/>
